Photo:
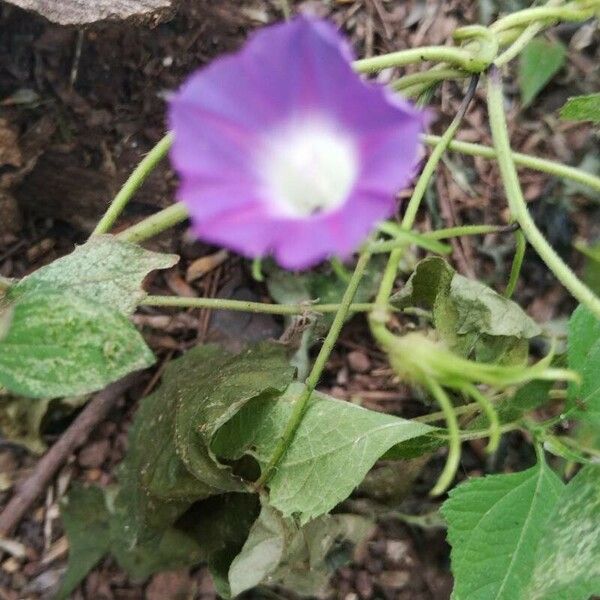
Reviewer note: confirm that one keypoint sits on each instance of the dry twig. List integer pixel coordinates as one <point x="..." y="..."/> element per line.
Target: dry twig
<point x="77" y="433"/>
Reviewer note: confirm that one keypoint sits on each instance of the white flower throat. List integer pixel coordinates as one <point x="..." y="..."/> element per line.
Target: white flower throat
<point x="307" y="167"/>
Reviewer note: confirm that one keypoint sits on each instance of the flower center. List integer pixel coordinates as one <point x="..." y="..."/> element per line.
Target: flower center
<point x="308" y="167"/>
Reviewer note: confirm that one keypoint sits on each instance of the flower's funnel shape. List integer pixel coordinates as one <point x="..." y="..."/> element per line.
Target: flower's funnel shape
<point x="283" y="149"/>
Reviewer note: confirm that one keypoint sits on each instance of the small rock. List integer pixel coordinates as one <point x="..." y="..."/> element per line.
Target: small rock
<point x="94" y="454"/>
<point x="174" y="585"/>
<point x="364" y="585"/>
<point x="359" y="362"/>
<point x="396" y="550"/>
<point x="92" y="475"/>
<point x="395" y="580"/>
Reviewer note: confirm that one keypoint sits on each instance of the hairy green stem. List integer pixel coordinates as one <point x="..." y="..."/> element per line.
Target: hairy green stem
<point x="439" y="415"/>
<point x="523" y="160"/>
<point x="312" y="380"/>
<point x="449" y="471"/>
<point x="445" y="54"/>
<point x="517" y="264"/>
<point x="405" y="237"/>
<point x="379" y="316"/>
<point x="133" y="183"/>
<point x="572" y="12"/>
<point x="252" y="307"/>
<point x="428" y="77"/>
<point x="517" y="202"/>
<point x="519" y="44"/>
<point x="465" y="230"/>
<point x="490" y="412"/>
<point x="155" y="224"/>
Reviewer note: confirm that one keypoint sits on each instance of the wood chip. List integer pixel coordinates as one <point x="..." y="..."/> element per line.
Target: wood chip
<point x="10" y="566"/>
<point x="79" y="12"/>
<point x="56" y="550"/>
<point x="205" y="264"/>
<point x="13" y="547"/>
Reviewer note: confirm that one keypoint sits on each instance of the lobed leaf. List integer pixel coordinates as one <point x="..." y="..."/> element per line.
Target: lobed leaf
<point x="566" y="562"/>
<point x="470" y="317"/>
<point x="495" y="525"/>
<point x="104" y="269"/>
<point x="66" y="345"/>
<point x="279" y="551"/>
<point x="334" y="447"/>
<point x="169" y="465"/>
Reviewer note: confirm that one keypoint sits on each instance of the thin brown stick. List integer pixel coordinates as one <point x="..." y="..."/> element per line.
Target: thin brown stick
<point x="77" y="433"/>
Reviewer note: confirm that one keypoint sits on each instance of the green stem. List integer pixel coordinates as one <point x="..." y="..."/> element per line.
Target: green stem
<point x="523" y="160"/>
<point x="312" y="380"/>
<point x="517" y="264"/>
<point x="427" y="77"/>
<point x="405" y="238"/>
<point x="155" y="224"/>
<point x="481" y="433"/>
<point x="445" y="54"/>
<point x="464" y="230"/>
<point x="449" y="471"/>
<point x="518" y="45"/>
<point x="133" y="183"/>
<point x="517" y="202"/>
<point x="490" y="412"/>
<point x="379" y="316"/>
<point x="252" y="307"/>
<point x="542" y="13"/>
<point x="433" y="417"/>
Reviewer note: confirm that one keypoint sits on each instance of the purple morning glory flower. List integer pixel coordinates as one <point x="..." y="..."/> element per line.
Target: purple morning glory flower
<point x="283" y="149"/>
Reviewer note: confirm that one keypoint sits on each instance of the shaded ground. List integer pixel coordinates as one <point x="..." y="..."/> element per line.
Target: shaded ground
<point x="80" y="107"/>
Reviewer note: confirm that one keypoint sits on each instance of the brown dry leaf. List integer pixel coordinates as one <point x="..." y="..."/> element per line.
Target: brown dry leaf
<point x="205" y="264"/>
<point x="10" y="153"/>
<point x="79" y="12"/>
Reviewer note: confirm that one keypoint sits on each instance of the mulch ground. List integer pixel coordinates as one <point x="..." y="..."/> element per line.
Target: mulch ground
<point x="78" y="110"/>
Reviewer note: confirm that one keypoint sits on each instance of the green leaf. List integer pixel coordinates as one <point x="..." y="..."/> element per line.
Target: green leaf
<point x="282" y="553"/>
<point x="223" y="384"/>
<point x="539" y="62"/>
<point x="86" y="522"/>
<point x="105" y="269"/>
<point x="22" y="419"/>
<point x="169" y="465"/>
<point x="335" y="446"/>
<point x="66" y="345"/>
<point x="495" y="525"/>
<point x="567" y="565"/>
<point x="471" y="318"/>
<point x="582" y="108"/>
<point x="160" y="549"/>
<point x="584" y="357"/>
